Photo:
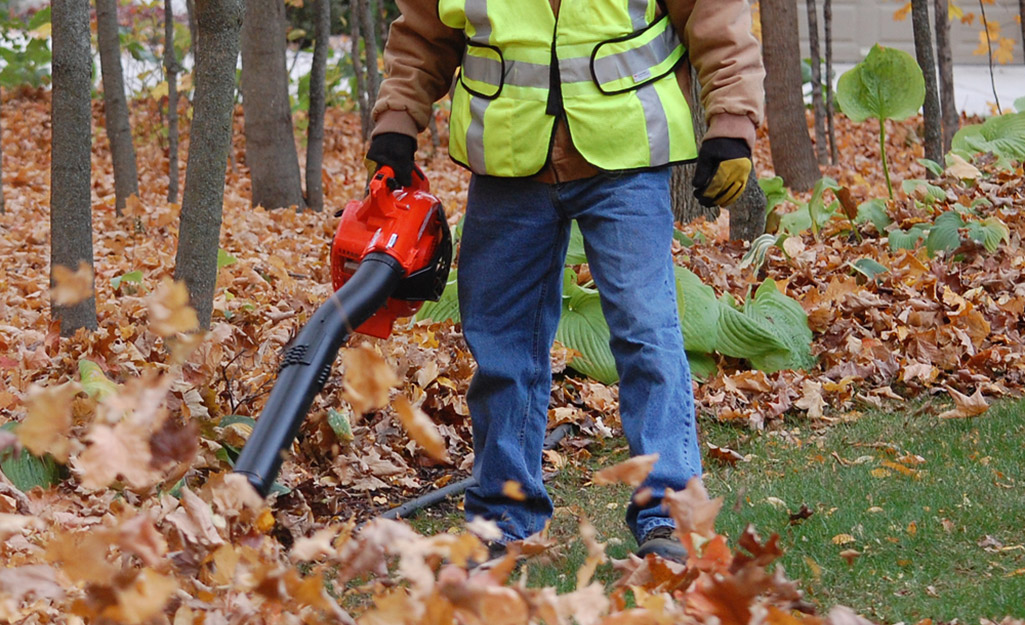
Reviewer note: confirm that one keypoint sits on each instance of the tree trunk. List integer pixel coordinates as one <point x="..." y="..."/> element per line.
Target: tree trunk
<point x="270" y="142"/>
<point x="190" y="11"/>
<point x="71" y="229"/>
<point x="315" y="130"/>
<point x="119" y="128"/>
<point x="686" y="207"/>
<point x="793" y="156"/>
<point x="945" y="63"/>
<point x="816" y="83"/>
<point x="931" y="107"/>
<point x="370" y="22"/>
<point x="827" y="26"/>
<point x="747" y="214"/>
<point x="171" y="69"/>
<point x="3" y="208"/>
<point x="356" y="18"/>
<point x="1021" y="22"/>
<point x="219" y="23"/>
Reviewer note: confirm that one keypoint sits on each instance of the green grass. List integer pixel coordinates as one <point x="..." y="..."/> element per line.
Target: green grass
<point x="943" y="539"/>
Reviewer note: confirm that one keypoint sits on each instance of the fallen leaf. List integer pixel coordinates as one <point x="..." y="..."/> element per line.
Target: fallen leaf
<point x="368" y="379"/>
<point x="965" y="406"/>
<point x="71" y="287"/>
<point x="842" y="539"/>
<point x="421" y="429"/>
<point x="631" y="472"/>
<point x="46" y="428"/>
<point x="169" y="310"/>
<point x="513" y="490"/>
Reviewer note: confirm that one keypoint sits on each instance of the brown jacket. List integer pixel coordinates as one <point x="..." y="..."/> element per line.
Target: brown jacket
<point x="422" y="56"/>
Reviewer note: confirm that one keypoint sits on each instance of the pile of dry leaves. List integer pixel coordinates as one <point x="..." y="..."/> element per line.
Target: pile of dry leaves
<point x="147" y="523"/>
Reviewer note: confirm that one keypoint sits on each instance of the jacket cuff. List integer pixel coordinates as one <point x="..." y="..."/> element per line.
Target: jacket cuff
<point x="732" y="126"/>
<point x="395" y="121"/>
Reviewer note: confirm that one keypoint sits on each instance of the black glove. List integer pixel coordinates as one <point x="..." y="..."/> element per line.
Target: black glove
<point x="395" y="150"/>
<point x="723" y="166"/>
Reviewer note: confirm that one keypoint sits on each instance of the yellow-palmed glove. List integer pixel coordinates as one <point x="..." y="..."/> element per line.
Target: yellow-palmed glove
<point x="723" y="166"/>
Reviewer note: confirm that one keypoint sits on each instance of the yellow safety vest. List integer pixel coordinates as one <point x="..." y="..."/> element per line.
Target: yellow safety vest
<point x="606" y="65"/>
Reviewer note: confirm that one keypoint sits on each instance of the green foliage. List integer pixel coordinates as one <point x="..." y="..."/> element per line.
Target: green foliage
<point x="888" y="84"/>
<point x="224" y="259"/>
<point x="94" y="382"/>
<point x="815" y="213"/>
<point x="447" y="306"/>
<point x="770" y="331"/>
<point x="775" y="192"/>
<point x="869" y="267"/>
<point x="931" y="193"/>
<point x="1003" y="135"/>
<point x="874" y="212"/>
<point x="132" y="277"/>
<point x="931" y="166"/>
<point x="25" y="50"/>
<point x="1019" y="105"/>
<point x="583" y="328"/>
<point x="949" y="231"/>
<point x="25" y="470"/>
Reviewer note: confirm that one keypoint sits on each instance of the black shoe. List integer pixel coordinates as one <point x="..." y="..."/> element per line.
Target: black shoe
<point x="662" y="542"/>
<point x="496" y="551"/>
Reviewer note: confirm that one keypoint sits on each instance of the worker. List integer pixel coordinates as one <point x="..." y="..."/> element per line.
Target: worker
<point x="573" y="110"/>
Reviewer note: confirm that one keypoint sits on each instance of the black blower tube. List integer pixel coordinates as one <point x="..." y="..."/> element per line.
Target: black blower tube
<point x="306" y="365"/>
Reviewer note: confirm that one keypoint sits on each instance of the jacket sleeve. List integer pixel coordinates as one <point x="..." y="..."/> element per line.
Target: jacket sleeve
<point x="420" y="60"/>
<point x="728" y="61"/>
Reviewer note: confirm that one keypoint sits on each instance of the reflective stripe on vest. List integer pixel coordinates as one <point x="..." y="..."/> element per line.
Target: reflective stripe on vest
<point x="615" y="77"/>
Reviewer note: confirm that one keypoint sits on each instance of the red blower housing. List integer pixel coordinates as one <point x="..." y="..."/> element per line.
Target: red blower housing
<point x="409" y="225"/>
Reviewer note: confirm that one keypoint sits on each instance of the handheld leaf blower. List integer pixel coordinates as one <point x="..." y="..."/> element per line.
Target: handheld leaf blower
<point x="391" y="252"/>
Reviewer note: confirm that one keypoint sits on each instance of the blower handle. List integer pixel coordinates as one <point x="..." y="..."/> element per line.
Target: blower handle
<point x="306" y="365"/>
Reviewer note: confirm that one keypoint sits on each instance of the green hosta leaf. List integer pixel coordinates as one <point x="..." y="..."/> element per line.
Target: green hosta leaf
<point x="575" y="254"/>
<point x="931" y="166"/>
<point x="1003" y="135"/>
<point x="931" y="192"/>
<point x="702" y="366"/>
<point x="340" y="425"/>
<point x="874" y="212"/>
<point x="224" y="259"/>
<point x="888" y="84"/>
<point x="990" y="232"/>
<point x="775" y="192"/>
<point x="744" y="336"/>
<point x="820" y="213"/>
<point x="907" y="239"/>
<point x="795" y="222"/>
<point x="787" y="321"/>
<point x="94" y="382"/>
<point x="682" y="239"/>
<point x="943" y="235"/>
<point x="134" y="277"/>
<point x="1019" y="105"/>
<point x="868" y="267"/>
<point x="27" y="471"/>
<point x="39" y="18"/>
<point x="583" y="328"/>
<point x="447" y="306"/>
<point x="755" y="256"/>
<point x="699" y="312"/>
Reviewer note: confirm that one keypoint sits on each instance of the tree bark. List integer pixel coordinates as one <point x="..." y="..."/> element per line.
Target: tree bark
<point x="219" y="23"/>
<point x="71" y="230"/>
<point x="270" y="142"/>
<point x="315" y="130"/>
<point x="370" y="22"/>
<point x="356" y="18"/>
<point x="3" y="207"/>
<point x="115" y="106"/>
<point x="686" y="207"/>
<point x="926" y="60"/>
<point x="190" y="11"/>
<point x="816" y="83"/>
<point x="793" y="156"/>
<point x="747" y="214"/>
<point x="945" y="63"/>
<point x="171" y="69"/>
<point x="1021" y="22"/>
<point x="827" y="26"/>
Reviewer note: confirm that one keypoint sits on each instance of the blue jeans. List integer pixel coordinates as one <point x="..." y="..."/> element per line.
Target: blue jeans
<point x="511" y="258"/>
